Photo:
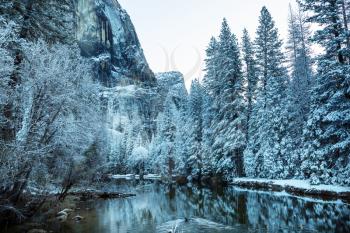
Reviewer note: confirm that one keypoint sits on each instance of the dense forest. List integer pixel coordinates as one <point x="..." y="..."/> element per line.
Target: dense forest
<point x="264" y="109"/>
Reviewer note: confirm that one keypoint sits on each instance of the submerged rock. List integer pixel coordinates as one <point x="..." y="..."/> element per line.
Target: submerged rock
<point x="78" y="218"/>
<point x="65" y="212"/>
<point x="62" y="218"/>
<point x="63" y="215"/>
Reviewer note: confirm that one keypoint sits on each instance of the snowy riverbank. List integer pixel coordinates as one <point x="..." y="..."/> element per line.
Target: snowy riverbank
<point x="293" y="187"/>
<point x="296" y="187"/>
<point x="135" y="177"/>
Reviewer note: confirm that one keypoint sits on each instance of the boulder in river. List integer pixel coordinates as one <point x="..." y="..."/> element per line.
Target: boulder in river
<point x="65" y="212"/>
<point x="78" y="218"/>
<point x="62" y="218"/>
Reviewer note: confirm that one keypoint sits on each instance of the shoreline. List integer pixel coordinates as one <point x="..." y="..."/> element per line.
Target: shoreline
<point x="294" y="187"/>
<point x="299" y="188"/>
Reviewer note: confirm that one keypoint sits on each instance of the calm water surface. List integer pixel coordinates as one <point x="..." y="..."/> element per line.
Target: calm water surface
<point x="162" y="208"/>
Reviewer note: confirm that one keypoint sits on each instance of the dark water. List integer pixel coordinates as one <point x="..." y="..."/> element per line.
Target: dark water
<point x="161" y="208"/>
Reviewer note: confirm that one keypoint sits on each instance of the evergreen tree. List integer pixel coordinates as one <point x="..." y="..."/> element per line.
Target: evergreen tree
<point x="211" y="90"/>
<point x="300" y="56"/>
<point x="299" y="91"/>
<point x="207" y="143"/>
<point x="270" y="101"/>
<point x="182" y="142"/>
<point x="210" y="78"/>
<point x="195" y="139"/>
<point x="164" y="150"/>
<point x="327" y="147"/>
<point x="229" y="121"/>
<point x="251" y="80"/>
<point x="169" y="146"/>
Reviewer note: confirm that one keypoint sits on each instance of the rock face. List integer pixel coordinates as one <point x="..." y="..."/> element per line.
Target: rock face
<point x="102" y="28"/>
<point x="133" y="95"/>
<point x="170" y="84"/>
<point x="168" y="80"/>
<point x="106" y="33"/>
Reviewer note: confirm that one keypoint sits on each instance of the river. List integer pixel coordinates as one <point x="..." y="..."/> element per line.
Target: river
<point x="164" y="208"/>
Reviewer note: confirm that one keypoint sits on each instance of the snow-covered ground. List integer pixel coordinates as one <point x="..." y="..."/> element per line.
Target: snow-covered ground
<point x="152" y="177"/>
<point x="300" y="184"/>
<point x="123" y="177"/>
<point x="136" y="177"/>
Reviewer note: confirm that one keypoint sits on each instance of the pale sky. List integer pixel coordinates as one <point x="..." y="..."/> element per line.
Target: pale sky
<point x="175" y="33"/>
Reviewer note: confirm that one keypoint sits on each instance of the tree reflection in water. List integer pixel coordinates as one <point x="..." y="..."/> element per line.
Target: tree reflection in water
<point x="159" y="208"/>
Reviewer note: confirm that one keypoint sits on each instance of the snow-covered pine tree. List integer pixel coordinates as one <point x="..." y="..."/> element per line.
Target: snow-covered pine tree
<point x="250" y="74"/>
<point x="210" y="80"/>
<point x="169" y="147"/>
<point x="271" y="97"/>
<point x="299" y="90"/>
<point x="182" y="144"/>
<point x="195" y="139"/>
<point x="164" y="150"/>
<point x="251" y="80"/>
<point x="211" y="90"/>
<point x="229" y="121"/>
<point x="327" y="148"/>
<point x="299" y="49"/>
<point x="208" y="138"/>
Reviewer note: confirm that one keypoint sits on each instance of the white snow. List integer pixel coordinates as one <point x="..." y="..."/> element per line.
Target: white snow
<point x="302" y="184"/>
<point x="102" y="57"/>
<point x="123" y="177"/>
<point x="136" y="177"/>
<point x="152" y="177"/>
<point x="285" y="194"/>
<point x="139" y="154"/>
